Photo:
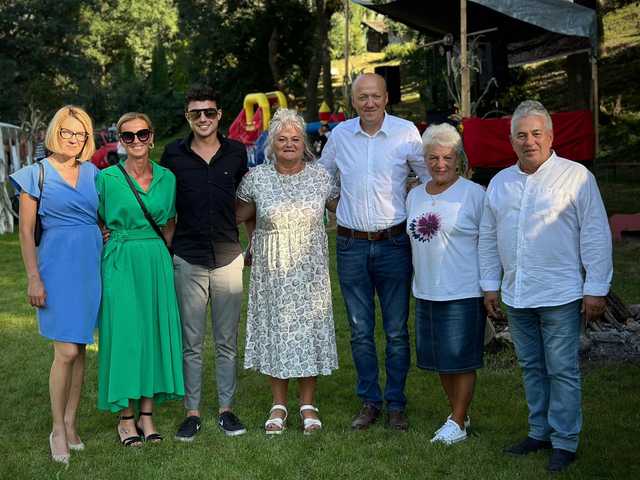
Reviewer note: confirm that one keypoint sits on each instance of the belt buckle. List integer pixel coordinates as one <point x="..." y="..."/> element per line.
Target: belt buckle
<point x="371" y="236"/>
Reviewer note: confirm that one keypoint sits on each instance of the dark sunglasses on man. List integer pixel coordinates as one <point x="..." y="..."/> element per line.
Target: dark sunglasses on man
<point x="143" y="135"/>
<point x="193" y="115"/>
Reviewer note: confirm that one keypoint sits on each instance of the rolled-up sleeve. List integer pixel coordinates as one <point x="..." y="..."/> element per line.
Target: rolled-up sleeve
<point x="490" y="266"/>
<point x="595" y="239"/>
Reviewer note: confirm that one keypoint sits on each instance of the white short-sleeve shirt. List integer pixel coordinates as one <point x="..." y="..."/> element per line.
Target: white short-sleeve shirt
<point x="443" y="230"/>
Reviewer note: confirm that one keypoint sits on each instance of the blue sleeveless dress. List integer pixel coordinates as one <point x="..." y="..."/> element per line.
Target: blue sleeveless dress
<point x="69" y="251"/>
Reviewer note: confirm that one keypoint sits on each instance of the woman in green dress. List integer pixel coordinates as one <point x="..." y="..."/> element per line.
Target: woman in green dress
<point x="140" y="354"/>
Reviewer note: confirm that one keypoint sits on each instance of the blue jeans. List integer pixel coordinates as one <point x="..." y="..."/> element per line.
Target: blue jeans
<point x="547" y="343"/>
<point x="383" y="267"/>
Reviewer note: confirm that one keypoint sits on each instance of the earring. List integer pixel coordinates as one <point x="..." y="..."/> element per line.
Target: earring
<point x="151" y="145"/>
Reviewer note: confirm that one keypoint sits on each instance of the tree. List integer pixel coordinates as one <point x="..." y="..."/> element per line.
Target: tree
<point x="40" y="56"/>
<point x="136" y="26"/>
<point x="324" y="10"/>
<point x="357" y="43"/>
<point x="247" y="46"/>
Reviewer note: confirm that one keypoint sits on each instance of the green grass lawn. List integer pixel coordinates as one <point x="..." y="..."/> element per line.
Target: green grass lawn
<point x="608" y="448"/>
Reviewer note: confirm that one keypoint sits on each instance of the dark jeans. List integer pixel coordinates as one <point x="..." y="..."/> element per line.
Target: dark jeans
<point x="383" y="267"/>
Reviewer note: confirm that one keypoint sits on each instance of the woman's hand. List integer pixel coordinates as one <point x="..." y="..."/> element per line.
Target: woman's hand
<point x="36" y="292"/>
<point x="105" y="234"/>
<point x="248" y="257"/>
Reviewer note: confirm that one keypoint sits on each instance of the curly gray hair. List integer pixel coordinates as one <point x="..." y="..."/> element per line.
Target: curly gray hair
<point x="285" y="117"/>
<point x="528" y="108"/>
<point x="446" y="135"/>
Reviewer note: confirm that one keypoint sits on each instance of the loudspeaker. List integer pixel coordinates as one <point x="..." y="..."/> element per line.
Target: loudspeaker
<point x="392" y="75"/>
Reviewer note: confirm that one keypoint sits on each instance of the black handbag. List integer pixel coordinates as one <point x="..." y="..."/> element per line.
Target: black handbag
<point x="37" y="230"/>
<point x="146" y="213"/>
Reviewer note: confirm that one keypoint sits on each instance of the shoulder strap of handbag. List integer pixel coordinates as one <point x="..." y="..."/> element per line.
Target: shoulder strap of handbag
<point x="40" y="184"/>
<point x="147" y="215"/>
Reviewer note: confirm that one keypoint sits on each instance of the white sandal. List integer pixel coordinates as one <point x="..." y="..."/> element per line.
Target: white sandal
<point x="310" y="425"/>
<point x="280" y="423"/>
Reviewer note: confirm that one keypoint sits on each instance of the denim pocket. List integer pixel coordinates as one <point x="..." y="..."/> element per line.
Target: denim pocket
<point x="343" y="243"/>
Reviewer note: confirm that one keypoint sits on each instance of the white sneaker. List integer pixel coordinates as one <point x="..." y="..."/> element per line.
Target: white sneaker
<point x="467" y="424"/>
<point x="450" y="433"/>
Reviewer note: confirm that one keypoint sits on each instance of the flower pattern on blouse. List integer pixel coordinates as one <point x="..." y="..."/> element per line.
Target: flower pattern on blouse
<point x="425" y="227"/>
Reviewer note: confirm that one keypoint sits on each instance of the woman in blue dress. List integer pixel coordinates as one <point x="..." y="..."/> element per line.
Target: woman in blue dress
<point x="64" y="270"/>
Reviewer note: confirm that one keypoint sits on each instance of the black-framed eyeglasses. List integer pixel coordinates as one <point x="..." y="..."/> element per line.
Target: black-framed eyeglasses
<point x="194" y="114"/>
<point x="69" y="134"/>
<point x="143" y="135"/>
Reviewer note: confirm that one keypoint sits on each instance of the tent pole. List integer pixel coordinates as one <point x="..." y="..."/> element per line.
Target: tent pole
<point x="595" y="104"/>
<point x="347" y="49"/>
<point x="465" y="101"/>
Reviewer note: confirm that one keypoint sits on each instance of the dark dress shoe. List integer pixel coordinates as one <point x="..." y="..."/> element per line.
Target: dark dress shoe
<point x="527" y="446"/>
<point x="560" y="460"/>
<point x="397" y="420"/>
<point x="367" y="416"/>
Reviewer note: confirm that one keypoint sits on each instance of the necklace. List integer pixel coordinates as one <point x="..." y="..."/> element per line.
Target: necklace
<point x="432" y="198"/>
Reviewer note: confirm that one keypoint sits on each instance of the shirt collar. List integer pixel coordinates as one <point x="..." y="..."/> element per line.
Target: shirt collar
<point x="186" y="142"/>
<point x="384" y="128"/>
<point x="546" y="164"/>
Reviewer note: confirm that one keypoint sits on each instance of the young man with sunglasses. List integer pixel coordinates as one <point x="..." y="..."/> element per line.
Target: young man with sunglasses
<point x="208" y="258"/>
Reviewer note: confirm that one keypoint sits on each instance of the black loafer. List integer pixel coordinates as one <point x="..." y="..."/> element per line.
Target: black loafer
<point x="560" y="460"/>
<point x="527" y="446"/>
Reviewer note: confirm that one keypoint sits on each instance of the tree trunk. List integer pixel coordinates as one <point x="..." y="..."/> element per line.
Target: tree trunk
<point x="273" y="59"/>
<point x="327" y="86"/>
<point x="320" y="57"/>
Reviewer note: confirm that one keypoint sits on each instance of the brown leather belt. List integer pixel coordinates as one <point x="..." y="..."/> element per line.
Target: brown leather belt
<point x="373" y="236"/>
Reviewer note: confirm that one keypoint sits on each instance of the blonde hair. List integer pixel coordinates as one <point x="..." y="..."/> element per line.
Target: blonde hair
<point x="52" y="138"/>
<point x="127" y="117"/>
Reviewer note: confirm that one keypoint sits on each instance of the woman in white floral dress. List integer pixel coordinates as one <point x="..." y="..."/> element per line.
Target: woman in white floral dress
<point x="290" y="330"/>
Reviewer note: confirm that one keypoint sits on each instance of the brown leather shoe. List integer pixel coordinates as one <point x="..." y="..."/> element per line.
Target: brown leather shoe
<point x="367" y="416"/>
<point x="397" y="420"/>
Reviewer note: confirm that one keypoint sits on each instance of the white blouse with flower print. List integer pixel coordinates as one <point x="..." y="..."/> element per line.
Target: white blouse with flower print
<point x="443" y="230"/>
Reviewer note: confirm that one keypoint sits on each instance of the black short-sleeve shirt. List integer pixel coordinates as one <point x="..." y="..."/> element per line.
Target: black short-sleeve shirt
<point x="206" y="231"/>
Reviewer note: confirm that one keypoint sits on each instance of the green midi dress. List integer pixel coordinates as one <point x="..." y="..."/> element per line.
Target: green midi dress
<point x="140" y="337"/>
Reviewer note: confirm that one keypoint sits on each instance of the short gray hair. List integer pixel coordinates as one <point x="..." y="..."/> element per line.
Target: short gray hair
<point x="446" y="135"/>
<point x="529" y="108"/>
<point x="285" y="117"/>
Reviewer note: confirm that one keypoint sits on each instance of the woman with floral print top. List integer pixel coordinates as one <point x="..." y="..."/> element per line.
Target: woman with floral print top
<point x="443" y="219"/>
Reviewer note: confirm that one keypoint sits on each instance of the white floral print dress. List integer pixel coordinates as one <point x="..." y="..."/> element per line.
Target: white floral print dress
<point x="290" y="329"/>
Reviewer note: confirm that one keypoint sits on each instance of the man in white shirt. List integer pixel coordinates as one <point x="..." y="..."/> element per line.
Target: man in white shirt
<point x="545" y="244"/>
<point x="373" y="155"/>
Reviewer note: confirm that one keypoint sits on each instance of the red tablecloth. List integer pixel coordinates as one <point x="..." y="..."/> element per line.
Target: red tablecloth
<point x="487" y="144"/>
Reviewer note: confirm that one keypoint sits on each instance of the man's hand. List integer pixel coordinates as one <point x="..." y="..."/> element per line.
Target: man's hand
<point x="593" y="307"/>
<point x="492" y="304"/>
